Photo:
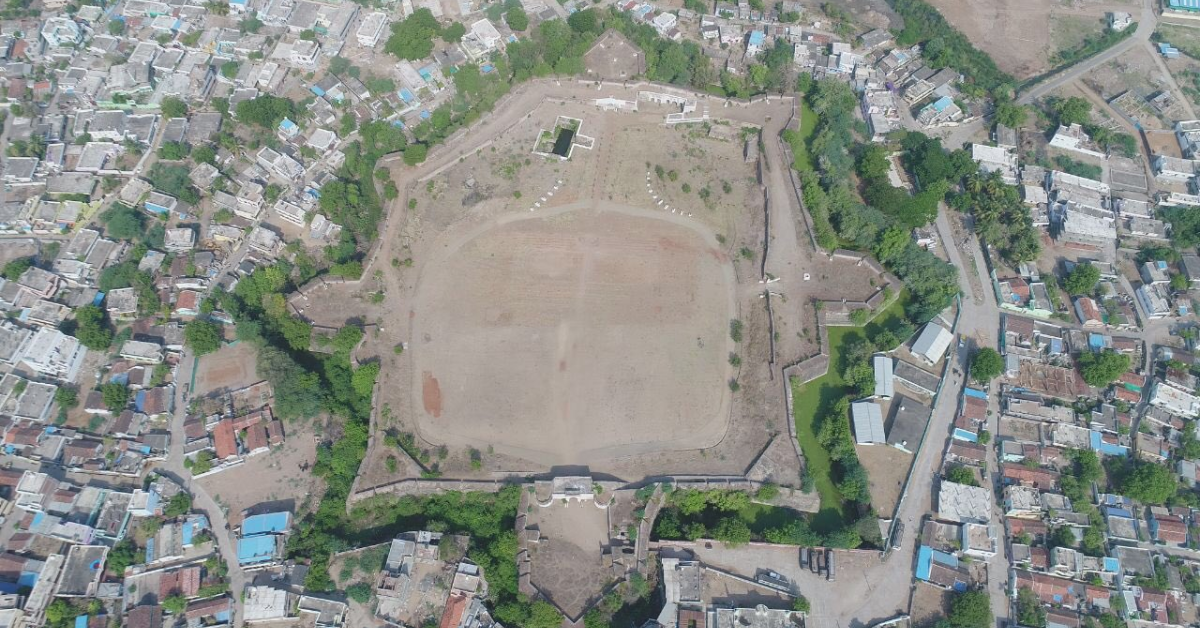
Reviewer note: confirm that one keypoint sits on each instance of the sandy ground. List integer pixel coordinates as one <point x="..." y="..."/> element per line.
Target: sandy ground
<point x="1022" y="35"/>
<point x="278" y="480"/>
<point x="887" y="468"/>
<point x="570" y="337"/>
<point x="230" y="368"/>
<point x="571" y="535"/>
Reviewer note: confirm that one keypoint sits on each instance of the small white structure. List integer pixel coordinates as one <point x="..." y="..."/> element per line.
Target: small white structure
<point x="1119" y="20"/>
<point x="1073" y="138"/>
<point x="265" y="604"/>
<point x="931" y="345"/>
<point x="1174" y="400"/>
<point x="572" y="487"/>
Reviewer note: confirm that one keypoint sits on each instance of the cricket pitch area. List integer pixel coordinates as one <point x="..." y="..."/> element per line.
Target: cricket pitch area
<point x="575" y="335"/>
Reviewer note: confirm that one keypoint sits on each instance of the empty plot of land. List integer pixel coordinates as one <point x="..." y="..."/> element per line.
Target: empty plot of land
<point x="887" y="468"/>
<point x="574" y="337"/>
<point x="230" y="368"/>
<point x="1016" y="33"/>
<point x="572" y="536"/>
<point x="280" y="477"/>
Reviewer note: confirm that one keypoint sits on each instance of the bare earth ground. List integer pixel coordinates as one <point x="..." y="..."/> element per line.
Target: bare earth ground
<point x="929" y="604"/>
<point x="564" y="561"/>
<point x="229" y="368"/>
<point x="887" y="467"/>
<point x="1021" y="35"/>
<point x="566" y="338"/>
<point x="636" y="298"/>
<point x="277" y="480"/>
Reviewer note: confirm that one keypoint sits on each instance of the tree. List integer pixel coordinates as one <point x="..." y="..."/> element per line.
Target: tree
<point x="266" y="111"/>
<point x="415" y="154"/>
<point x="454" y="32"/>
<point x="359" y="592"/>
<point x="15" y="268"/>
<point x="1179" y="283"/>
<point x="1082" y="280"/>
<point x="123" y="222"/>
<point x="173" y="151"/>
<point x="971" y="609"/>
<point x="203" y="336"/>
<point x="732" y="531"/>
<point x="66" y="397"/>
<point x="1185" y="225"/>
<point x="1103" y="368"/>
<point x="986" y="365"/>
<point x="91" y="328"/>
<point x="250" y="25"/>
<point x="960" y="474"/>
<point x="412" y="37"/>
<point x="542" y="614"/>
<point x="116" y="396"/>
<point x="116" y="27"/>
<point x="1011" y="114"/>
<point x="173" y="107"/>
<point x="1029" y="609"/>
<point x="229" y="70"/>
<point x="180" y="504"/>
<point x="516" y="18"/>
<point x="1073" y="110"/>
<point x="1148" y="483"/>
<point x="123" y="555"/>
<point x="174" y="604"/>
<point x="584" y="21"/>
<point x="204" y="154"/>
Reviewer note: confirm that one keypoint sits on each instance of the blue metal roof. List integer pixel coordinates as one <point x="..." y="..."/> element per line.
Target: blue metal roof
<point x="268" y="523"/>
<point x="942" y="103"/>
<point x="757" y="38"/>
<point x="1184" y="5"/>
<point x="961" y="434"/>
<point x="974" y="392"/>
<point x="256" y="549"/>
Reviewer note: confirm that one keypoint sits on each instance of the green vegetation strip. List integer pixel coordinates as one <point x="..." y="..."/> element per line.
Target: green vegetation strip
<point x="817" y="397"/>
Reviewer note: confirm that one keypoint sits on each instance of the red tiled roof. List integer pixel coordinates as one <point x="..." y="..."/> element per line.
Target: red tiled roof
<point x="224" y="440"/>
<point x="1034" y="528"/>
<point x="1050" y="589"/>
<point x="455" y="607"/>
<point x="275" y="432"/>
<point x="188" y="300"/>
<point x="184" y="581"/>
<point x="144" y="617"/>
<point x="974" y="408"/>
<point x="207" y="608"/>
<point x="256" y="437"/>
<point x="193" y="429"/>
<point x="1038" y="478"/>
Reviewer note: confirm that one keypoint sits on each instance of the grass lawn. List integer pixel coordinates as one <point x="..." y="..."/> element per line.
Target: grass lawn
<point x="813" y="399"/>
<point x="802" y="161"/>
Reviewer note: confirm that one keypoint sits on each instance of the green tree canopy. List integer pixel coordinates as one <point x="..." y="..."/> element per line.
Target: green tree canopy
<point x="986" y="365"/>
<point x="1082" y="280"/>
<point x="173" y="107"/>
<point x="516" y="18"/>
<point x="91" y="328"/>
<point x="15" y="268"/>
<point x="116" y="396"/>
<point x="1148" y="483"/>
<point x="1073" y="110"/>
<point x="203" y="336"/>
<point x="971" y="609"/>
<point x="1103" y="368"/>
<point x="266" y="111"/>
<point x="412" y="37"/>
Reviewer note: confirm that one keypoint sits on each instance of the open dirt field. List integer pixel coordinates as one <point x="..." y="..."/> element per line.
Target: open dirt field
<point x="273" y="481"/>
<point x="230" y="368"/>
<point x="571" y="538"/>
<point x="1023" y="35"/>
<point x="887" y="468"/>
<point x="574" y="337"/>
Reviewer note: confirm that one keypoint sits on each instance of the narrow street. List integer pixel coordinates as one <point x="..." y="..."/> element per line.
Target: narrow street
<point x="201" y="500"/>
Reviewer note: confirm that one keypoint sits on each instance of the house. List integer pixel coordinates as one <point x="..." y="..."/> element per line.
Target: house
<point x="1051" y="590"/>
<point x="931" y="345"/>
<point x="1174" y="169"/>
<point x="868" y="423"/>
<point x="159" y="203"/>
<point x="1190" y="263"/>
<point x="1154" y="300"/>
<point x="371" y="29"/>
<point x="180" y="240"/>
<point x="996" y="159"/>
<point x="142" y="352"/>
<point x="909" y="418"/>
<point x="53" y="354"/>
<point x="1088" y="312"/>
<point x="1175" y="400"/>
<point x="961" y="503"/>
<point x="884" y="380"/>
<point x="1074" y="138"/>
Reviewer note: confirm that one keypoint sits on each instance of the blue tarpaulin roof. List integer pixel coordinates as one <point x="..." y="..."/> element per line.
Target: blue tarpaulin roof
<point x="962" y="434"/>
<point x="268" y="523"/>
<point x="973" y="392"/>
<point x="81" y="621"/>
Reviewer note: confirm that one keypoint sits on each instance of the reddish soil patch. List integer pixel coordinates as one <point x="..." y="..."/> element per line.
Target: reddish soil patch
<point x="431" y="394"/>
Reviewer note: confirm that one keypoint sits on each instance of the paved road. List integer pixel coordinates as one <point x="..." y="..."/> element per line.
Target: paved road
<point x="201" y="500"/>
<point x="1146" y="25"/>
